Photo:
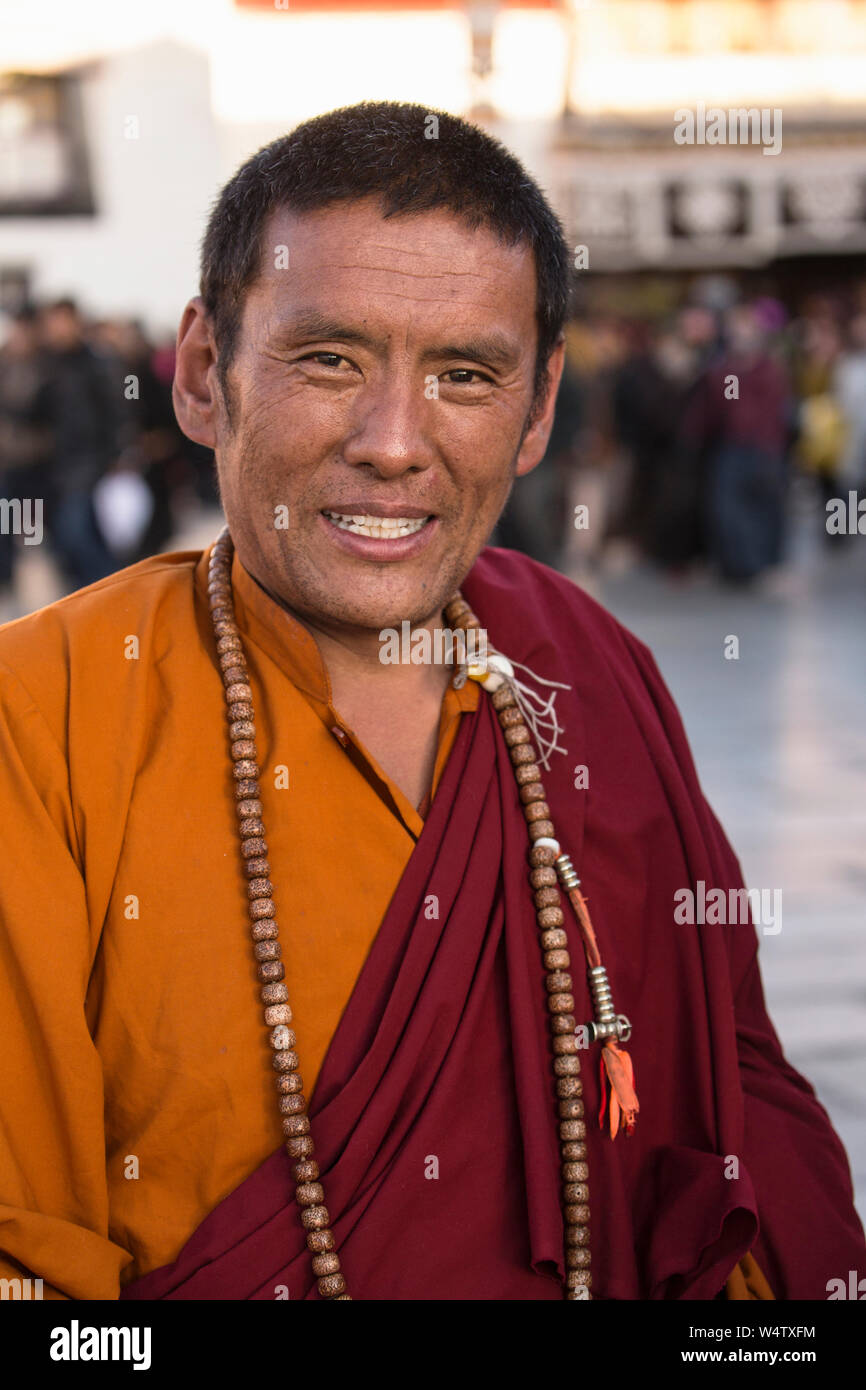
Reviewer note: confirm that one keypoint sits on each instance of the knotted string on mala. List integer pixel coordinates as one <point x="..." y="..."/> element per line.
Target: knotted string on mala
<point x="516" y="704"/>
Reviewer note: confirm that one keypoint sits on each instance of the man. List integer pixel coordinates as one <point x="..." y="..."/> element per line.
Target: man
<point x="374" y="358"/>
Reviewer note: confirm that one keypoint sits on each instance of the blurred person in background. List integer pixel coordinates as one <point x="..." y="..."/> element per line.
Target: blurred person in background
<point x="150" y="436"/>
<point x="534" y="520"/>
<point x="23" y="442"/>
<point x="80" y="404"/>
<point x="822" y="431"/>
<point x="849" y="384"/>
<point x="740" y="413"/>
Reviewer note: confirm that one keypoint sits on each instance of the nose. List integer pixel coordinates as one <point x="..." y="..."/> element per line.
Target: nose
<point x="390" y="426"/>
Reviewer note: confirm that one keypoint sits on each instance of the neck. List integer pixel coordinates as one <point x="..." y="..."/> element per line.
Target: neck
<point x="353" y="659"/>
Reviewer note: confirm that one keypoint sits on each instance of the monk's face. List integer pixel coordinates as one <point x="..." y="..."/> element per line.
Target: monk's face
<point x="384" y="371"/>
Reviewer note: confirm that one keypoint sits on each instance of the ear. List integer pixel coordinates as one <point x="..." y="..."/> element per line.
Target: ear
<point x="195" y="389"/>
<point x="535" y="440"/>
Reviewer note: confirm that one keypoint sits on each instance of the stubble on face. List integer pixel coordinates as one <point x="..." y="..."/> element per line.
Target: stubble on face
<point x="391" y="362"/>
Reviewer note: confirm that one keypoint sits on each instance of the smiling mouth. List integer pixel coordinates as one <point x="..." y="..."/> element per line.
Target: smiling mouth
<point x="385" y="528"/>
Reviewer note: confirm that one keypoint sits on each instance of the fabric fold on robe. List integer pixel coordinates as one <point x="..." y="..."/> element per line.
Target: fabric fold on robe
<point x="434" y="1112"/>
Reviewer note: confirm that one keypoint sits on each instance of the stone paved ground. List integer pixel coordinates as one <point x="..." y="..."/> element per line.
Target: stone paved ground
<point x="779" y="739"/>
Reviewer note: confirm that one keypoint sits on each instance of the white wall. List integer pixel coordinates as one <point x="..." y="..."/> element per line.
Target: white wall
<point x="138" y="254"/>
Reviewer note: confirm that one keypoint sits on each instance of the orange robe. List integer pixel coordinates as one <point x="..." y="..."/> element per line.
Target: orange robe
<point x="136" y="1089"/>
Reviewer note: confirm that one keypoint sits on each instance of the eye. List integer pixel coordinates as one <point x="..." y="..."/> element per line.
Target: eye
<point x="460" y="376"/>
<point x="327" y="359"/>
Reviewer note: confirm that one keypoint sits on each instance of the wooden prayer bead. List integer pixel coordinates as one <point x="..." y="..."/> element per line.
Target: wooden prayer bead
<point x="257" y="868"/>
<point x="245" y="769"/>
<point x="560" y="1003"/>
<point x="296" y="1125"/>
<point x="581" y="1256"/>
<point x="289" y="1082"/>
<point x="220" y="613"/>
<point x="248" y="787"/>
<point x="259" y="887"/>
<point x="329" y="1263"/>
<point x="305" y="1171"/>
<point x="540" y="829"/>
<point x="243" y="728"/>
<point x="264" y="907"/>
<point x="574" y="1172"/>
<point x="285" y="1061"/>
<point x="245" y="809"/>
<point x="553" y="939"/>
<point x="572" y="1129"/>
<point x="566" y="1066"/>
<point x="250" y="826"/>
<point x="567" y="1087"/>
<point x="556" y="960"/>
<point x="562" y="1023"/>
<point x="503" y="697"/>
<point x="243" y="748"/>
<point x="570" y="1109"/>
<point x="225" y="629"/>
<point x="292" y="1105"/>
<point x="540" y="855"/>
<point x="527" y="774"/>
<point x="545" y="877"/>
<point x="320" y="1240"/>
<point x="254" y="847"/>
<point x="522" y="753"/>
<point x="242" y="709"/>
<point x="282" y="1038"/>
<point x="574" y="1149"/>
<point x="278" y="1013"/>
<point x="301" y="1146"/>
<point x="578" y="1279"/>
<point x="510" y="716"/>
<point x="239" y="692"/>
<point x="533" y="791"/>
<point x="235" y="675"/>
<point x="516" y="736"/>
<point x="546" y="897"/>
<point x="267" y="950"/>
<point x="315" y="1218"/>
<point x="558" y="982"/>
<point x="265" y="929"/>
<point x="309" y="1194"/>
<point x="330" y="1285"/>
<point x="537" y="811"/>
<point x="577" y="1215"/>
<point x="231" y="660"/>
<point x="549" y="917"/>
<point x="573" y="1191"/>
<point x="566" y="1044"/>
<point x="270" y="970"/>
<point x="274" y="994"/>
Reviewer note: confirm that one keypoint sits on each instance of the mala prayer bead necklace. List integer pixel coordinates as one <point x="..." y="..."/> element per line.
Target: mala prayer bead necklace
<point x="547" y="865"/>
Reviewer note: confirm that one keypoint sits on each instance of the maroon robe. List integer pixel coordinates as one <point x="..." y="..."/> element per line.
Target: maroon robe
<point x="441" y="1061"/>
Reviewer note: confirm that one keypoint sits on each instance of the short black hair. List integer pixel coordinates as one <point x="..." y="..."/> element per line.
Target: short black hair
<point x="414" y="160"/>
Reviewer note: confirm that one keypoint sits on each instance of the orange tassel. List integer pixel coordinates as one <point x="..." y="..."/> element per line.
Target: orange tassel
<point x="623" y="1100"/>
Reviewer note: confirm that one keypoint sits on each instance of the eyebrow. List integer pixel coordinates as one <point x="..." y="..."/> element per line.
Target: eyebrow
<point x="495" y="349"/>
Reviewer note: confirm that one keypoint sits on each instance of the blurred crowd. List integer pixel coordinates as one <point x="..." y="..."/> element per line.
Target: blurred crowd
<point x="677" y="437"/>
<point x="87" y="425"/>
<point x="680" y="438"/>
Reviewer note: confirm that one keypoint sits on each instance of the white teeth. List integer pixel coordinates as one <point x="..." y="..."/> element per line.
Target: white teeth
<point x="380" y="527"/>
